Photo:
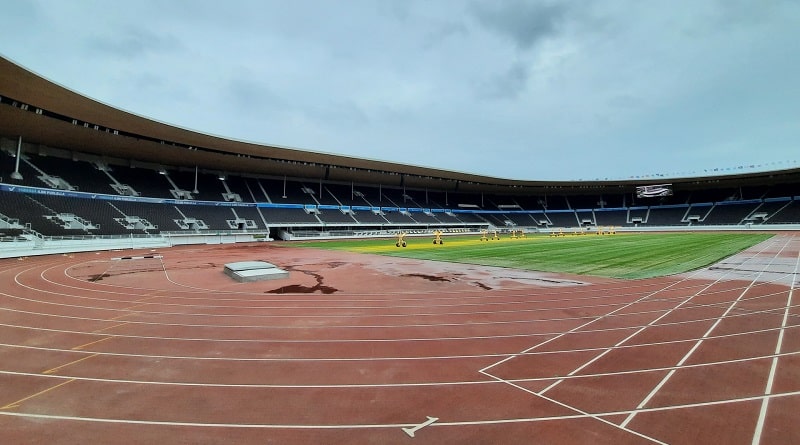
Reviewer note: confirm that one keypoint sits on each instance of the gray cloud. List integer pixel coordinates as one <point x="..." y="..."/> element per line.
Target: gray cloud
<point x="443" y="32"/>
<point x="133" y="42"/>
<point x="744" y="12"/>
<point x="525" y="23"/>
<point x="519" y="89"/>
<point x="247" y="95"/>
<point x="507" y="85"/>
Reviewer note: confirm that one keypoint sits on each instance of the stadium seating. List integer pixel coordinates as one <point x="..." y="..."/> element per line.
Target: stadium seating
<point x="69" y="195"/>
<point x="788" y="214"/>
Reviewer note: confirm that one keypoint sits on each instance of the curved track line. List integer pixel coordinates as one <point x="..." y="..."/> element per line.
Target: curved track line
<point x="609" y="306"/>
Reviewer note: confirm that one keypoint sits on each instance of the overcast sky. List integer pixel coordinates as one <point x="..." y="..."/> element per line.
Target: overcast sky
<point x="538" y="90"/>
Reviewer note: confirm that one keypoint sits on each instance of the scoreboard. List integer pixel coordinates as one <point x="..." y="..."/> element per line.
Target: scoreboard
<point x="653" y="191"/>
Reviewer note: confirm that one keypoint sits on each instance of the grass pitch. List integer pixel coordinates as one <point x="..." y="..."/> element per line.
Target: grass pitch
<point x="624" y="255"/>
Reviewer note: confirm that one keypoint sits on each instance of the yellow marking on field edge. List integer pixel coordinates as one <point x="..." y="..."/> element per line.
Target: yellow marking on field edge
<point x="18" y="402"/>
<point x="112" y="327"/>
<point x="76" y="348"/>
<point x="118" y="317"/>
<point x="52" y="370"/>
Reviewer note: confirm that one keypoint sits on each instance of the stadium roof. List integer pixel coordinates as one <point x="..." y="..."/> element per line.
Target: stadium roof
<point x="43" y="112"/>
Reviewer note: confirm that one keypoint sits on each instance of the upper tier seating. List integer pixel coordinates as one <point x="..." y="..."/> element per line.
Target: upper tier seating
<point x="286" y="202"/>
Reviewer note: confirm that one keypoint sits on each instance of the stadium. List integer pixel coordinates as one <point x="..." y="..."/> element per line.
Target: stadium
<point x="120" y="325"/>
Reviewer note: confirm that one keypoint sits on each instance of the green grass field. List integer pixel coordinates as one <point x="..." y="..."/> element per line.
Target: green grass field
<point x="624" y="255"/>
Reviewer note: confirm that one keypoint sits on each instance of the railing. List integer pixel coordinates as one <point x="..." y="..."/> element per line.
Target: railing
<point x="89" y="237"/>
<point x="212" y="232"/>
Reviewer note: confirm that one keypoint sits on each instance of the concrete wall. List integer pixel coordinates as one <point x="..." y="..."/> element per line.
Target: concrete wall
<point x="34" y="247"/>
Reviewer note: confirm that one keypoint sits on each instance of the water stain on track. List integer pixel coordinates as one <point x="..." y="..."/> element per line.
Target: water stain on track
<point x="426" y="277"/>
<point x="300" y="289"/>
<point x="97" y="277"/>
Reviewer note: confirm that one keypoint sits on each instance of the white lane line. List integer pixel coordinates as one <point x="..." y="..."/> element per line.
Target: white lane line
<point x="620" y="343"/>
<point x="638" y="331"/>
<point x="522" y="290"/>
<point x="328" y="327"/>
<point x="572" y="408"/>
<point x="213" y="297"/>
<point x="379" y="426"/>
<point x="623" y="425"/>
<point x="341" y="308"/>
<point x="686" y="357"/>
<point x="438" y="357"/>
<point x="391" y="385"/>
<point x="762" y="414"/>
<point x="413" y="431"/>
<point x="216" y="298"/>
<point x="578" y="328"/>
<point x="661" y="408"/>
<point x="342" y="316"/>
<point x="768" y="312"/>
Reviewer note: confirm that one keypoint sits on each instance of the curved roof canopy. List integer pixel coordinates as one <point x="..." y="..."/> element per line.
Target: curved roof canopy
<point x="43" y="112"/>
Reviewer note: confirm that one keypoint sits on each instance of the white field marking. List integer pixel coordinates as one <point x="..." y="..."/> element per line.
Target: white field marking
<point x="259" y="296"/>
<point x="12" y="267"/>
<point x="283" y="327"/>
<point x="307" y="316"/>
<point x="382" y="326"/>
<point x="214" y="298"/>
<point x="427" y="300"/>
<point x="391" y="296"/>
<point x="412" y="431"/>
<point x="433" y="314"/>
<point x="291" y="341"/>
<point x="637" y="332"/>
<point x="378" y="426"/>
<point x="256" y="359"/>
<point x="762" y="415"/>
<point x="347" y="316"/>
<point x="211" y="297"/>
<point x="522" y="291"/>
<point x="498" y="354"/>
<point x="345" y="307"/>
<point x="339" y="308"/>
<point x="391" y="385"/>
<point x="328" y="340"/>
<point x="697" y="344"/>
<point x="522" y="288"/>
<point x="578" y="328"/>
<point x="584" y="413"/>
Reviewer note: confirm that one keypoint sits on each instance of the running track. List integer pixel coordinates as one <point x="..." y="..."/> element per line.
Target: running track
<point x="97" y="349"/>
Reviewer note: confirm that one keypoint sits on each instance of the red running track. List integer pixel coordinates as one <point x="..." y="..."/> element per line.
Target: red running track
<point x="164" y="348"/>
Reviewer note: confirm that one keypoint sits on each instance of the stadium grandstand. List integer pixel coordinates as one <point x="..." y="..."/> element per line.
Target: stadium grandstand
<point x="76" y="174"/>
